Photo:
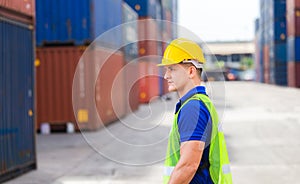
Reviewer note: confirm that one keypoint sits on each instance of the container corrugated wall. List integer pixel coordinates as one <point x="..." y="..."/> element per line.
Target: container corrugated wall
<point x="26" y="7"/>
<point x="273" y="43"/>
<point x="130" y="33"/>
<point x="294" y="74"/>
<point x="146" y="8"/>
<point x="17" y="135"/>
<point x="77" y="22"/>
<point x="293" y="42"/>
<point x="108" y="89"/>
<point x="54" y="77"/>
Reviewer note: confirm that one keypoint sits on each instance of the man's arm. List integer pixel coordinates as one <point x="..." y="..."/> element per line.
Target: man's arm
<point x="190" y="156"/>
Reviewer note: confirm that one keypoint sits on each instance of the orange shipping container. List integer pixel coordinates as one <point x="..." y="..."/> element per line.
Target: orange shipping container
<point x="266" y="56"/>
<point x="131" y="86"/>
<point x="291" y="5"/>
<point x="294" y="74"/>
<point x="98" y="89"/>
<point x="148" y="36"/>
<point x="293" y="23"/>
<point x="55" y="68"/>
<point x="149" y="81"/>
<point x="26" y="7"/>
<point x="92" y="98"/>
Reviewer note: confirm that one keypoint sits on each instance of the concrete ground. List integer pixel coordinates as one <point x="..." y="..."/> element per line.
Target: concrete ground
<point x="261" y="125"/>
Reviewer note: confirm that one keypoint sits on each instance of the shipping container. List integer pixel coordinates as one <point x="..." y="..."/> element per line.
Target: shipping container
<point x="266" y="63"/>
<point x="26" y="7"/>
<point x="78" y="22"/>
<point x="148" y="82"/>
<point x="130" y="33"/>
<point x="293" y="47"/>
<point x="280" y="73"/>
<point x="293" y="23"/>
<point x="280" y="31"/>
<point x="148" y="37"/>
<point x="146" y="8"/>
<point x="54" y="77"/>
<point x="280" y="52"/>
<point x="110" y="96"/>
<point x="291" y="5"/>
<point x="131" y="77"/>
<point x="279" y="9"/>
<point x="98" y="88"/>
<point x="17" y="113"/>
<point x="294" y="74"/>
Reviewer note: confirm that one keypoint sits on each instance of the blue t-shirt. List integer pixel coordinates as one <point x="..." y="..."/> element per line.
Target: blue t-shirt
<point x="194" y="123"/>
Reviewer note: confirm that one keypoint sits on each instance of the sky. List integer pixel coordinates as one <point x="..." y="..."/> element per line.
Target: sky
<point x="219" y="20"/>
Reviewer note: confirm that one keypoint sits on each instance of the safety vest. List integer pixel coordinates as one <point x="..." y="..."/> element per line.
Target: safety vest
<point x="219" y="168"/>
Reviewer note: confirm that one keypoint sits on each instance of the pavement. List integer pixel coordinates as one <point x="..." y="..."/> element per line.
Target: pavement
<point x="261" y="124"/>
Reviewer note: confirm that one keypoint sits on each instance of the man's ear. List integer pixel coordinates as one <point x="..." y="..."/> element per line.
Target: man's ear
<point x="192" y="71"/>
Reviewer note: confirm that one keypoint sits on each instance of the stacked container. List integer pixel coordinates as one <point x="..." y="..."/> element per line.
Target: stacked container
<point x="273" y="43"/>
<point x="148" y="46"/>
<point x="64" y="29"/>
<point x="130" y="38"/>
<point x="17" y="114"/>
<point x="77" y="22"/>
<point x="293" y="47"/>
<point x="258" y="55"/>
<point x="153" y="36"/>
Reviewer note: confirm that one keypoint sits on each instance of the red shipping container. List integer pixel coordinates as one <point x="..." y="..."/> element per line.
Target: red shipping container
<point x="293" y="23"/>
<point x="266" y="56"/>
<point x="91" y="98"/>
<point x="294" y="74"/>
<point x="148" y="37"/>
<point x="26" y="7"/>
<point x="110" y="87"/>
<point x="99" y="88"/>
<point x="149" y="81"/>
<point x="55" y="68"/>
<point x="291" y="5"/>
<point x="131" y="77"/>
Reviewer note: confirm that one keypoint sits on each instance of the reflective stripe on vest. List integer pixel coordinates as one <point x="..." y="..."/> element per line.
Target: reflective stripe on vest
<point x="218" y="156"/>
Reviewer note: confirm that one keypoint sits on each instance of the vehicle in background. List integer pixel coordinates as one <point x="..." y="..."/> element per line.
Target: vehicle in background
<point x="247" y="75"/>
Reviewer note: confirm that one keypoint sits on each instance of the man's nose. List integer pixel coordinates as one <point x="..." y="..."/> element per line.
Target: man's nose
<point x="166" y="75"/>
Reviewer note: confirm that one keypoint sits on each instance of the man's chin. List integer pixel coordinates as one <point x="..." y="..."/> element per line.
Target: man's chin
<point x="172" y="89"/>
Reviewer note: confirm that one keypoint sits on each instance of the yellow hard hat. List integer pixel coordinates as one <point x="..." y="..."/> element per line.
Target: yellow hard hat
<point x="183" y="50"/>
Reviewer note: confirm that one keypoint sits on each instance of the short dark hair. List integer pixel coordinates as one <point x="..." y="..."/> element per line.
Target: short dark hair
<point x="199" y="70"/>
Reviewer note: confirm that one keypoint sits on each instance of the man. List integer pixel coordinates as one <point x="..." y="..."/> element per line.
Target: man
<point x="196" y="149"/>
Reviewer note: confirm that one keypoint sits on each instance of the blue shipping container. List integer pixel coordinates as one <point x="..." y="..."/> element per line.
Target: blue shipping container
<point x="17" y="129"/>
<point x="78" y="21"/>
<point x="293" y="49"/>
<point x="280" y="52"/>
<point x="280" y="31"/>
<point x="146" y="8"/>
<point x="130" y="33"/>
<point x="279" y="9"/>
<point x="280" y="73"/>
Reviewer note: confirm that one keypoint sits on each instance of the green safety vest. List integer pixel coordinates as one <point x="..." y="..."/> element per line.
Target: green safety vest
<point x="218" y="157"/>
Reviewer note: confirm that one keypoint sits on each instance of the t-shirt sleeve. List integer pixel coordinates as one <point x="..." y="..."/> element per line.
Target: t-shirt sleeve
<point x="193" y="119"/>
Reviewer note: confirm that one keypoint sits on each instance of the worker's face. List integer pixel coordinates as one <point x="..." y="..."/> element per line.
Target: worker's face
<point x="176" y="76"/>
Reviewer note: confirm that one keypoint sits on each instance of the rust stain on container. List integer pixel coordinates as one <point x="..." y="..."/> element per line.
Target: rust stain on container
<point x="54" y="77"/>
<point x="294" y="74"/>
<point x="26" y="7"/>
